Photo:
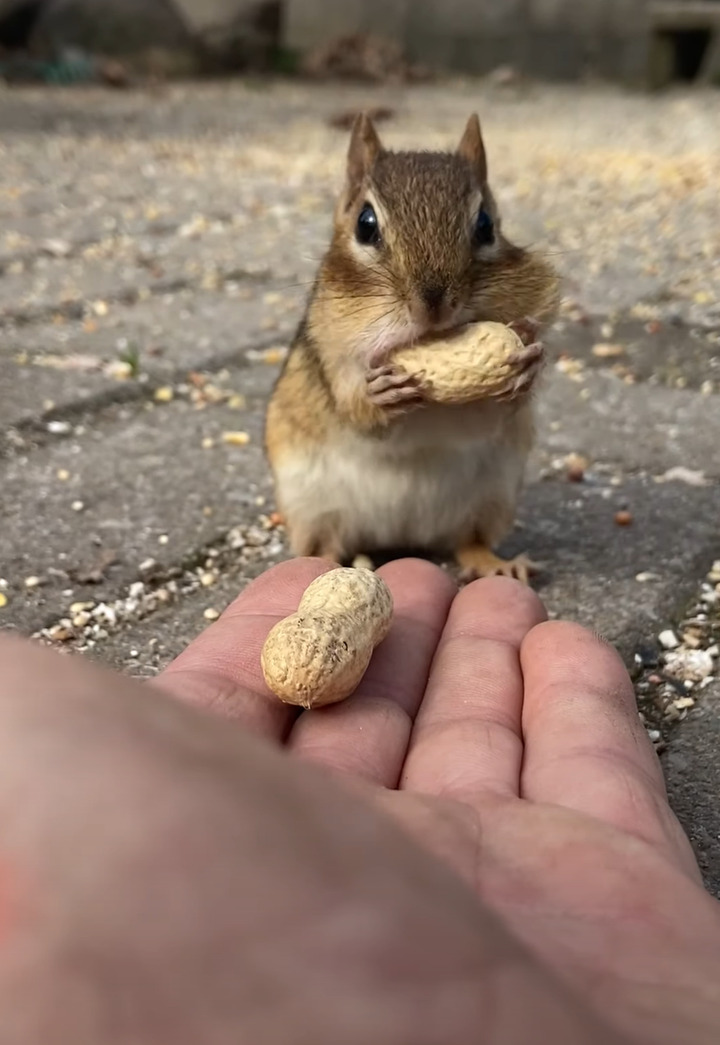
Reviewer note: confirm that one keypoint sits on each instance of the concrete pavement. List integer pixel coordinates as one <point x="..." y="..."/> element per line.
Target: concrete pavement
<point x="155" y="250"/>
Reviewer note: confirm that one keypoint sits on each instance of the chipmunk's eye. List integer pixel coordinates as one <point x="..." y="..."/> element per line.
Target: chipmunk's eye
<point x="484" y="231"/>
<point x="367" y="231"/>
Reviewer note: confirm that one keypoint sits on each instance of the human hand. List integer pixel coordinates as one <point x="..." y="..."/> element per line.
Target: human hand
<point x="167" y="878"/>
<point x="511" y="747"/>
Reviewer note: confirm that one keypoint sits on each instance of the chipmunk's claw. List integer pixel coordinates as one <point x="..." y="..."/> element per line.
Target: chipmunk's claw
<point x="479" y="561"/>
<point x="527" y="329"/>
<point x="394" y="389"/>
<point x="527" y="365"/>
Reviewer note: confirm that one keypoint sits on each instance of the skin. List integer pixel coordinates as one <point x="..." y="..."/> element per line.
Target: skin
<point x="476" y="846"/>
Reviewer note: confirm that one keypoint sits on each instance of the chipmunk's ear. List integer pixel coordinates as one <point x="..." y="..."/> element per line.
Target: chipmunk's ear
<point x="472" y="149"/>
<point x="364" y="149"/>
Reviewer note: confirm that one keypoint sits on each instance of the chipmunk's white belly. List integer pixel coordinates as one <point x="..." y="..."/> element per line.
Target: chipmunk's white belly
<point x="440" y="488"/>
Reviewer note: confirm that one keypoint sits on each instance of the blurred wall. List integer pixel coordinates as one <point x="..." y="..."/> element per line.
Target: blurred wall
<point x="557" y="39"/>
<point x="180" y="36"/>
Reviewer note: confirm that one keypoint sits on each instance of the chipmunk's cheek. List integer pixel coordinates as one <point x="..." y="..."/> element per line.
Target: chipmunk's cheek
<point x="384" y="339"/>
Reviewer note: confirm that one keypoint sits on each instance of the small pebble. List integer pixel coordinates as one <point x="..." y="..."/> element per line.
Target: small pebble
<point x="207" y="579"/>
<point x="3" y="600"/>
<point x="77" y="506"/>
<point x="211" y="613"/>
<point x="668" y="639"/>
<point x="58" y="427"/>
<point x="32" y="582"/>
<point x="623" y="518"/>
<point x="163" y="538"/>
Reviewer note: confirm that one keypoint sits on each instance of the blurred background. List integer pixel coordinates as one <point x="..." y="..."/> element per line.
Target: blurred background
<point x="168" y="170"/>
<point x="640" y="41"/>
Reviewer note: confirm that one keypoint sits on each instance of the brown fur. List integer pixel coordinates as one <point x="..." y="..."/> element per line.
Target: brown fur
<point x="321" y="423"/>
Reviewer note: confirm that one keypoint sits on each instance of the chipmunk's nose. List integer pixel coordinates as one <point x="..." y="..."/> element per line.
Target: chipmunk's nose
<point x="433" y="295"/>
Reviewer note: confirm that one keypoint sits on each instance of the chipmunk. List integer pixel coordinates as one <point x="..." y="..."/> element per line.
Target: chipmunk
<point x="362" y="462"/>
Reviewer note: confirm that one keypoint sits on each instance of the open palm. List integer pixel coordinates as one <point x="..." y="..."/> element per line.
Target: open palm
<point x="511" y="747"/>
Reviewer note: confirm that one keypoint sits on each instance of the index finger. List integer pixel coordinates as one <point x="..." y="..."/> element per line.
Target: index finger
<point x="585" y="747"/>
<point x="220" y="671"/>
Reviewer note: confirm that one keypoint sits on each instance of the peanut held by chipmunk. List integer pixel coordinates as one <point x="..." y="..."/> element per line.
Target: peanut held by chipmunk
<point x="364" y="456"/>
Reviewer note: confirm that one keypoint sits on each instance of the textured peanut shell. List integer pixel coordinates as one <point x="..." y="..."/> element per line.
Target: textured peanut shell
<point x="470" y="365"/>
<point x="319" y="655"/>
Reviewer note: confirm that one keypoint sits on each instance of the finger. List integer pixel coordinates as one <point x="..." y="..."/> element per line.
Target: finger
<point x="221" y="671"/>
<point x="367" y="735"/>
<point x="585" y="747"/>
<point x="467" y="735"/>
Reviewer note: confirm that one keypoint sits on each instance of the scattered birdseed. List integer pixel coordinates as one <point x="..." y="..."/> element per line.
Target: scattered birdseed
<point x="692" y="665"/>
<point x="363" y="562"/>
<point x="607" y="351"/>
<point x="236" y="438"/>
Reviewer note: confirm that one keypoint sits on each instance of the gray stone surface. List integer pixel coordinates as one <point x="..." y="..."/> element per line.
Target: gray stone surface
<point x="691" y="772"/>
<point x="182" y="230"/>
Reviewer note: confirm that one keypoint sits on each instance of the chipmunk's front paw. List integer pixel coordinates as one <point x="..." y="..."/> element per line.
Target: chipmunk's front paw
<point x="526" y="364"/>
<point x="394" y="390"/>
<point x="527" y="329"/>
